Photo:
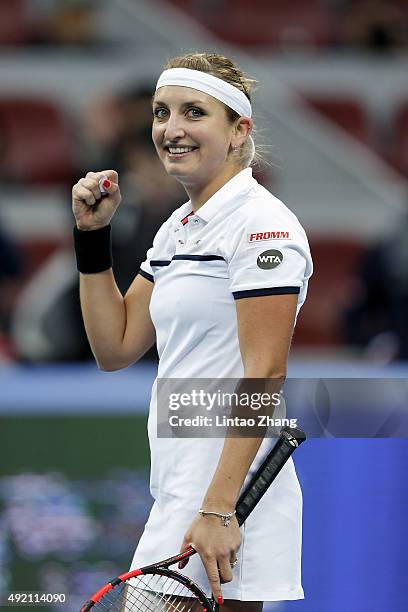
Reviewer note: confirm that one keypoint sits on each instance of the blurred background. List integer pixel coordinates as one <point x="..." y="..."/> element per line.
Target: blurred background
<point x="331" y="110"/>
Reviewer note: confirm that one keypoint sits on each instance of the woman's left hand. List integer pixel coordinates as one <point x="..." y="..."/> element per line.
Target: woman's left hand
<point x="217" y="546"/>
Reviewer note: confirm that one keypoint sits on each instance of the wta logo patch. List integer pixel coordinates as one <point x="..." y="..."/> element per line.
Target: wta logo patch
<point x="269" y="259"/>
<point x="260" y="236"/>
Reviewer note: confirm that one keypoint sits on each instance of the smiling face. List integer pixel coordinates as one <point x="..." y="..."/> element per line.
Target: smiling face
<point x="193" y="136"/>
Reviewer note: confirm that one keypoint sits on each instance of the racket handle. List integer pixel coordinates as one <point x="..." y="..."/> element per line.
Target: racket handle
<point x="289" y="439"/>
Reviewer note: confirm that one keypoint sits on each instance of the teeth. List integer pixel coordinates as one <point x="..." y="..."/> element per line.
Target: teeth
<point x="180" y="149"/>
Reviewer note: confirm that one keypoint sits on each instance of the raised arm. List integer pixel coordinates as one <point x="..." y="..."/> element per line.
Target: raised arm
<point x="119" y="329"/>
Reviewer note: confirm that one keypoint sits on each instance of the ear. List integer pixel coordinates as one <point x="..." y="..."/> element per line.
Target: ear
<point x="242" y="130"/>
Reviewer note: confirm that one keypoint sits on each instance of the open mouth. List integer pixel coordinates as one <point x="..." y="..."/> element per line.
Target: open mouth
<point x="176" y="152"/>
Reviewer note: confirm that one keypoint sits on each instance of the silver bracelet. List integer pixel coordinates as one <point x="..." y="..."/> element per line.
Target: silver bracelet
<point x="225" y="518"/>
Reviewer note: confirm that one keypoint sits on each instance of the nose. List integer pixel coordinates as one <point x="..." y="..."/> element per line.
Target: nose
<point x="174" y="128"/>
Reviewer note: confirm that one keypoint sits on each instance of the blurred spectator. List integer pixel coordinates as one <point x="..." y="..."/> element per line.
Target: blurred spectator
<point x="112" y="117"/>
<point x="378" y="26"/>
<point x="68" y="23"/>
<point x="11" y="267"/>
<point x="377" y="320"/>
<point x="10" y="258"/>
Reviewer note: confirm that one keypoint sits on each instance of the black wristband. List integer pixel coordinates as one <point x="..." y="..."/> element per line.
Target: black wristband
<point x="93" y="250"/>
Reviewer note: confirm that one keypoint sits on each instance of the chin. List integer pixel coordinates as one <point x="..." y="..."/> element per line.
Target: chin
<point x="178" y="172"/>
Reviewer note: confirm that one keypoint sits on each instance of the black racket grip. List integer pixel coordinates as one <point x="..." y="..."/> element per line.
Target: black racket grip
<point x="289" y="439"/>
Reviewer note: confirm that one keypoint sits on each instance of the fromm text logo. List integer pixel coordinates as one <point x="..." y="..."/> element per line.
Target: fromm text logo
<point x="256" y="237"/>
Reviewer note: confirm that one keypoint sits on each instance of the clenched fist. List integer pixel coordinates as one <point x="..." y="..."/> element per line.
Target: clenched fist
<point x="91" y="210"/>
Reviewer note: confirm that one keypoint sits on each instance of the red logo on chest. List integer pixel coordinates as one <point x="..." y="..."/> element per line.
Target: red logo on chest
<point x="268" y="236"/>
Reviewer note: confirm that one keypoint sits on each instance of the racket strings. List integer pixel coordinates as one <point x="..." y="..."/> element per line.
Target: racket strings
<point x="149" y="593"/>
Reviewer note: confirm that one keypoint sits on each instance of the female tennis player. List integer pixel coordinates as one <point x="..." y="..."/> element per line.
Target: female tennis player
<point x="219" y="291"/>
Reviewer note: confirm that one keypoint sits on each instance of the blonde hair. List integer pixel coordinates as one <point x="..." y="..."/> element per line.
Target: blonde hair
<point x="225" y="69"/>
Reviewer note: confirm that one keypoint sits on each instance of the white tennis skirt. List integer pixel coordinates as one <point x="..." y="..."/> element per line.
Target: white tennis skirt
<point x="269" y="559"/>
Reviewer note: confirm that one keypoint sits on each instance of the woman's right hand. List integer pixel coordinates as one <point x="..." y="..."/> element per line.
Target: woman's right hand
<point x="91" y="210"/>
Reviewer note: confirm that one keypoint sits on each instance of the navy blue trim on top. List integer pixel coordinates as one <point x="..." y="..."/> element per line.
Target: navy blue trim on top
<point x="238" y="295"/>
<point x="198" y="257"/>
<point x="160" y="262"/>
<point x="146" y="275"/>
<point x="166" y="262"/>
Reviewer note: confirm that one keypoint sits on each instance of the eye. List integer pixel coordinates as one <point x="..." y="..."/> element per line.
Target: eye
<point x="160" y="112"/>
<point x="195" y="112"/>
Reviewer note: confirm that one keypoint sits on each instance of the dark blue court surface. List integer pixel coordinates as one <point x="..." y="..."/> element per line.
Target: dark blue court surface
<point x="355" y="554"/>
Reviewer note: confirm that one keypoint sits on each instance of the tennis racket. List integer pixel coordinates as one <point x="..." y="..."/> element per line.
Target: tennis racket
<point x="156" y="588"/>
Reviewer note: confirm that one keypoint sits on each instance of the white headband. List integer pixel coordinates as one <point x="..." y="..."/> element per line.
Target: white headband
<point x="209" y="84"/>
